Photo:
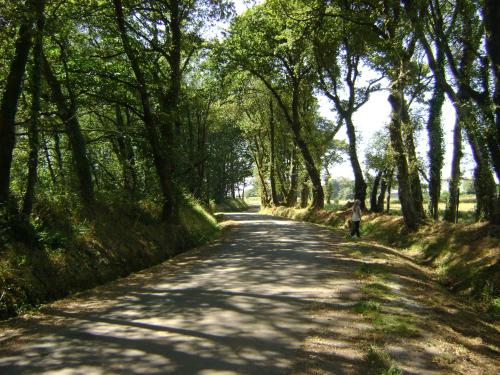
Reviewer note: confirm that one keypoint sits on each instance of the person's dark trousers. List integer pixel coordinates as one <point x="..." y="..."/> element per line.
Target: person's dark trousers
<point x="355" y="228"/>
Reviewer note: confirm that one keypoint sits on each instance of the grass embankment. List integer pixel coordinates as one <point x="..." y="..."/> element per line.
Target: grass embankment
<point x="464" y="257"/>
<point x="229" y="205"/>
<point x="64" y="250"/>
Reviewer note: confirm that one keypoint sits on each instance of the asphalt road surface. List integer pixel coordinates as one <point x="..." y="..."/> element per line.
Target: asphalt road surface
<point x="238" y="306"/>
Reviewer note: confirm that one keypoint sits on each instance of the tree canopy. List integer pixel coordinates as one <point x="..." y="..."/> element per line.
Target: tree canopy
<point x="137" y="99"/>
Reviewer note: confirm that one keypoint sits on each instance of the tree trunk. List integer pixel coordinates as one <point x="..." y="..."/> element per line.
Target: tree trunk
<point x="259" y="164"/>
<point x="405" y="194"/>
<point x="272" y="161"/>
<point x="72" y="126"/>
<point x="175" y="63"/>
<point x="436" y="146"/>
<point x="125" y="154"/>
<point x="59" y="158"/>
<point x="317" y="190"/>
<point x="291" y="196"/>
<point x="202" y="145"/>
<point x="492" y="25"/>
<point x="383" y="189"/>
<point x="8" y="106"/>
<point x="484" y="182"/>
<point x="451" y="213"/>
<point x="49" y="161"/>
<point x="416" y="187"/>
<point x="328" y="188"/>
<point x="304" y="195"/>
<point x="160" y="160"/>
<point x="389" y="191"/>
<point x="359" y="181"/>
<point x="373" y="195"/>
<point x="33" y="133"/>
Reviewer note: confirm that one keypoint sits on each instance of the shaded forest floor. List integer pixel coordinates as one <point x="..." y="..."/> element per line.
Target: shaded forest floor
<point x="270" y="296"/>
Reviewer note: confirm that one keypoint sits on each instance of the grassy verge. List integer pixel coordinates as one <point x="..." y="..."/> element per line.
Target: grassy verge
<point x="63" y="250"/>
<point x="465" y="257"/>
<point x="229" y="205"/>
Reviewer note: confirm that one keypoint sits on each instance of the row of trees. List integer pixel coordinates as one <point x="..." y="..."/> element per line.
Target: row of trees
<point x="114" y="98"/>
<point x="425" y="49"/>
<point x="129" y="98"/>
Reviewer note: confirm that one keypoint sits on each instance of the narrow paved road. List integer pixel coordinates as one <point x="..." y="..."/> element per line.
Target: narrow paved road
<point x="240" y="306"/>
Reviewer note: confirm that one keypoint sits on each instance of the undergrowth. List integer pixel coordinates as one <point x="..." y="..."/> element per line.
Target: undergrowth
<point x="64" y="249"/>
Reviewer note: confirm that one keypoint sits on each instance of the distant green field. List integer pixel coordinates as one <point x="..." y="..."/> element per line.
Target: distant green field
<point x="466" y="207"/>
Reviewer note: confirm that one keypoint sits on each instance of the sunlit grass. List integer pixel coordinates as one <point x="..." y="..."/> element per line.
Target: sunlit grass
<point x="366" y="306"/>
<point x="368" y="270"/>
<point x="380" y="362"/>
<point x="377" y="290"/>
<point x="393" y="324"/>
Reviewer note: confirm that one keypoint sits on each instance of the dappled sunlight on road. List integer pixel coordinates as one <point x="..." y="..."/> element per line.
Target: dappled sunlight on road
<point x="272" y="296"/>
<point x="241" y="306"/>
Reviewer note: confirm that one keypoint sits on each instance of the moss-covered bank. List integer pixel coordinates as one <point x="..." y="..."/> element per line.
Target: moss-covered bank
<point x="63" y="250"/>
<point x="465" y="257"/>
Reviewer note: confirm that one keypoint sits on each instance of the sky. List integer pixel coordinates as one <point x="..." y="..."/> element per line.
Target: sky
<point x="374" y="116"/>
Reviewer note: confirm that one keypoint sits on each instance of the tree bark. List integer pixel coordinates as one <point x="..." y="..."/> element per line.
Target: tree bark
<point x="416" y="187"/>
<point x="175" y="63"/>
<point x="405" y="194"/>
<point x="373" y="195"/>
<point x="436" y="146"/>
<point x="491" y="13"/>
<point x="291" y="195"/>
<point x="484" y="182"/>
<point x="8" y="106"/>
<point x="328" y="188"/>
<point x="272" y="162"/>
<point x="383" y="189"/>
<point x="259" y="163"/>
<point x="33" y="132"/>
<point x="451" y="213"/>
<point x="125" y="155"/>
<point x="359" y="181"/>
<point x="389" y="191"/>
<point x="492" y="26"/>
<point x="318" y="200"/>
<point x="304" y="195"/>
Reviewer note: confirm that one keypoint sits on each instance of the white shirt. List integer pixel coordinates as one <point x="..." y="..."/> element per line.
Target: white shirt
<point x="356" y="214"/>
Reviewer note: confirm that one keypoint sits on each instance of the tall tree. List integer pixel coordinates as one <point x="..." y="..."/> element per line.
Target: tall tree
<point x="395" y="50"/>
<point x="339" y="51"/>
<point x="266" y="44"/>
<point x="33" y="133"/>
<point x="436" y="142"/>
<point x="159" y="157"/>
<point x="10" y="97"/>
<point x="69" y="116"/>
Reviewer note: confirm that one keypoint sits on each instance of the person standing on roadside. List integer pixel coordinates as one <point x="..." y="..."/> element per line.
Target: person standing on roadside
<point x="356" y="218"/>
